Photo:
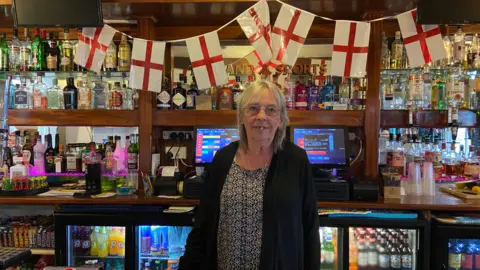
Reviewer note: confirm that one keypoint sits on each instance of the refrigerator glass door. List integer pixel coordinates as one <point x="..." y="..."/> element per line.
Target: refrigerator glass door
<point x="463" y="254"/>
<point x="160" y="247"/>
<point x="101" y="243"/>
<point x="330" y="248"/>
<point x="382" y="248"/>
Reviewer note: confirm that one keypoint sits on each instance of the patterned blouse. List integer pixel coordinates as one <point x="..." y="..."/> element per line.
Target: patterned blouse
<point x="239" y="236"/>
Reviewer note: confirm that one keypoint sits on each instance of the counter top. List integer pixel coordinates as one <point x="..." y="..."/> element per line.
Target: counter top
<point x="440" y="202"/>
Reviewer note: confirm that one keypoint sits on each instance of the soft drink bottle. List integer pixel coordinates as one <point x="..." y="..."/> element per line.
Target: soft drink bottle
<point x="362" y="254"/>
<point x="146" y="241"/>
<point x="454" y="255"/>
<point x="467" y="256"/>
<point x="112" y="242"/>
<point x="86" y="240"/>
<point x="121" y="242"/>
<point x="352" y="253"/>
<point x="94" y="241"/>
<point x="155" y="248"/>
<point x="372" y="252"/>
<point x="77" y="243"/>
<point x="102" y="243"/>
<point x="328" y="250"/>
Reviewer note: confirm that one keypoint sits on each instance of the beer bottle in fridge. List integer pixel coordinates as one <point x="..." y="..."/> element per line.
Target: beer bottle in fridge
<point x="395" y="256"/>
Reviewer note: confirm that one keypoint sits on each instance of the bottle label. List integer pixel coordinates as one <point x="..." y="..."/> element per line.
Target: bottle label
<point x="37" y="99"/>
<point x="373" y="258"/>
<point x="58" y="165"/>
<point x="77" y="243"/>
<point x="110" y="59"/>
<point x="164" y="98"/>
<point x="416" y="86"/>
<point x="86" y="244"/>
<point x="436" y="158"/>
<point x="69" y="98"/>
<point x="26" y="155"/>
<point x="384" y="260"/>
<point x="236" y="98"/>
<point x="65" y="61"/>
<point x="395" y="261"/>
<point x="397" y="51"/>
<point x="117" y="99"/>
<point x="407" y="261"/>
<point x="53" y="100"/>
<point x="467" y="261"/>
<point x="52" y="62"/>
<point x="132" y="161"/>
<point x="362" y="259"/>
<point x="225" y="100"/>
<point x="190" y="101"/>
<point x="454" y="261"/>
<point x="99" y="96"/>
<point x="21" y="97"/>
<point x="84" y="99"/>
<point x="398" y="159"/>
<point x="178" y="99"/>
<point x="71" y="164"/>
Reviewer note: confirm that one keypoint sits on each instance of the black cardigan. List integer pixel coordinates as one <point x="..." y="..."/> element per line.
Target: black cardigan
<point x="290" y="218"/>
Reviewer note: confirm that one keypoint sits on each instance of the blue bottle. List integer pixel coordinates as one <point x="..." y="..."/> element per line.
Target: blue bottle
<point x="328" y="94"/>
<point x="313" y="96"/>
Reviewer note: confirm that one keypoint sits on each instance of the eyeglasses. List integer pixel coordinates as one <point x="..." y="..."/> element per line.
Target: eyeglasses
<point x="270" y="110"/>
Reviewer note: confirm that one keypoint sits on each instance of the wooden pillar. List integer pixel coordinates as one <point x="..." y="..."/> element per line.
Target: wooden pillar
<point x="146" y="27"/>
<point x="372" y="108"/>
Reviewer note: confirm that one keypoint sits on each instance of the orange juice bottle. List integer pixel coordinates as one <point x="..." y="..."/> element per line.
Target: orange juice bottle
<point x="102" y="241"/>
<point x="121" y="242"/>
<point x="113" y="242"/>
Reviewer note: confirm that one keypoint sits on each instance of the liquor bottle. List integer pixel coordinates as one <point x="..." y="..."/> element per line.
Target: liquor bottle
<point x="15" y="45"/>
<point x="39" y="94"/>
<point x="110" y="63"/>
<point x="224" y="98"/>
<point x="328" y="250"/>
<point x="84" y="96"/>
<point x="357" y="98"/>
<point x="116" y="142"/>
<point x="450" y="162"/>
<point x="66" y="62"/>
<point x="72" y="157"/>
<point x="132" y="155"/>
<point x="128" y="97"/>
<point x="398" y="155"/>
<point x="124" y="55"/>
<point x="49" y="156"/>
<point x="7" y="156"/>
<point x="17" y="148"/>
<point x="37" y="51"/>
<point x="436" y="156"/>
<point x="70" y="95"/>
<point x="461" y="158"/>
<point x="385" y="53"/>
<point x="60" y="160"/>
<point x="455" y="89"/>
<point x="38" y="153"/>
<point x="344" y="95"/>
<point x="427" y="90"/>
<point x="459" y="46"/>
<point x="193" y="92"/>
<point x="313" y="95"/>
<point x="472" y="164"/>
<point x="109" y="143"/>
<point x="52" y="54"/>
<point x="55" y="96"/>
<point x="116" y="97"/>
<point x="237" y="91"/>
<point x="163" y="98"/>
<point x="84" y="154"/>
<point x="388" y="103"/>
<point x="415" y="91"/>
<point x="301" y="96"/>
<point x="119" y="155"/>
<point x="397" y="52"/>
<point x="399" y="93"/>
<point x="4" y="53"/>
<point x="43" y="47"/>
<point x="26" y="52"/>
<point x="99" y="95"/>
<point x="57" y="141"/>
<point x="22" y="97"/>
<point x="179" y="95"/>
<point x="27" y="150"/>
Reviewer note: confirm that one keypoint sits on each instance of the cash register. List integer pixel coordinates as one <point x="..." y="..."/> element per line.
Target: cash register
<point x="208" y="140"/>
<point x="326" y="151"/>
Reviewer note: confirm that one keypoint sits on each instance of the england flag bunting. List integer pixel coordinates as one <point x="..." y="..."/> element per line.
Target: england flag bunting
<point x="289" y="33"/>
<point x="147" y="65"/>
<point x="92" y="46"/>
<point x="255" y="23"/>
<point x="350" y="48"/>
<point x="423" y="43"/>
<point x="255" y="62"/>
<point x="207" y="61"/>
<point x="320" y="70"/>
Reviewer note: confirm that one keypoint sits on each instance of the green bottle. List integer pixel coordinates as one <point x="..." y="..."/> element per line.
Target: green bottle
<point x="132" y="159"/>
<point x="4" y="53"/>
<point x="37" y="51"/>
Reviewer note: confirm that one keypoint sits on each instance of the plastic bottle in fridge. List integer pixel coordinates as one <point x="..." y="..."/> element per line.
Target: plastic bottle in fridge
<point x="362" y="254"/>
<point x="146" y="241"/>
<point x="467" y="256"/>
<point x="102" y="243"/>
<point x="476" y="256"/>
<point x="94" y="241"/>
<point x="454" y="255"/>
<point x="113" y="242"/>
<point x="121" y="242"/>
<point x="352" y="253"/>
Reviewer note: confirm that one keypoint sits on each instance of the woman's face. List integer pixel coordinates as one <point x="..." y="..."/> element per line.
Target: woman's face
<point x="262" y="117"/>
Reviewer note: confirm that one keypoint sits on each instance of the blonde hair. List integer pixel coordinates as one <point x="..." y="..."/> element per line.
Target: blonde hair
<point x="253" y="92"/>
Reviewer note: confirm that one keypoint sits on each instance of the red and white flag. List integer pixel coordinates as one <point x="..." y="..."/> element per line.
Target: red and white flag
<point x="423" y="43"/>
<point x="185" y="72"/>
<point x="254" y="60"/>
<point x="320" y="70"/>
<point x="289" y="33"/>
<point x="92" y="46"/>
<point x="350" y="49"/>
<point x="207" y="61"/>
<point x="255" y="23"/>
<point x="147" y="65"/>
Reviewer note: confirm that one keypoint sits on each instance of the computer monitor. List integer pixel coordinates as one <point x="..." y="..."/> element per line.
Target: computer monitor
<point x="325" y="146"/>
<point x="208" y="140"/>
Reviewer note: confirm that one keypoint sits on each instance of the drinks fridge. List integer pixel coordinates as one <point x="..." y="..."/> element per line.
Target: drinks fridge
<point x="360" y="243"/>
<point x="457" y="246"/>
<point x="120" y="237"/>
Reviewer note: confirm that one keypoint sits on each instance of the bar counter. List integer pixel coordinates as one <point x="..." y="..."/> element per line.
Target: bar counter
<point x="440" y="202"/>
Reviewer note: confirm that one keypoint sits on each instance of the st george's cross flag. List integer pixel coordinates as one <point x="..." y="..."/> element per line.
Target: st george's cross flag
<point x="207" y="60"/>
<point x="255" y="62"/>
<point x="146" y="69"/>
<point x="350" y="48"/>
<point x="424" y="43"/>
<point x="289" y="33"/>
<point x="255" y="23"/>
<point x="92" y="46"/>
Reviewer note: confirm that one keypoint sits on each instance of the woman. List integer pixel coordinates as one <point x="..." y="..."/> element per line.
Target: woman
<point x="258" y="210"/>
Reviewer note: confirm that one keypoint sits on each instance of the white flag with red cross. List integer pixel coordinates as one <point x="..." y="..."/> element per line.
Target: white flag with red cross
<point x="350" y="49"/>
<point x="185" y="72"/>
<point x="423" y="43"/>
<point x="289" y="33"/>
<point x="147" y="65"/>
<point x="255" y="62"/>
<point x="92" y="46"/>
<point x="207" y="61"/>
<point x="320" y="69"/>
<point x="255" y="23"/>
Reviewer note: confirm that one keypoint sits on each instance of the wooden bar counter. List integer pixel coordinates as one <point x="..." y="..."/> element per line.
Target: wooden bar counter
<point x="440" y="202"/>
